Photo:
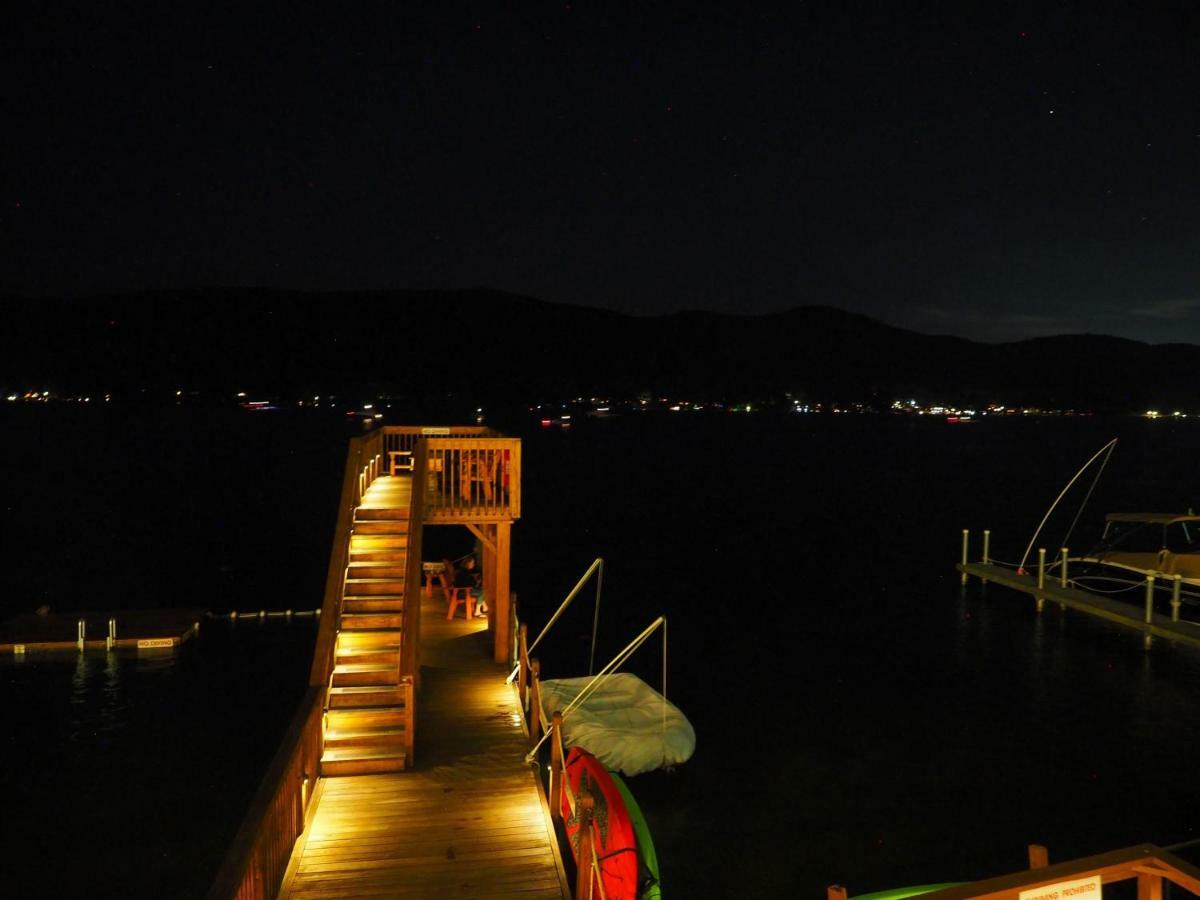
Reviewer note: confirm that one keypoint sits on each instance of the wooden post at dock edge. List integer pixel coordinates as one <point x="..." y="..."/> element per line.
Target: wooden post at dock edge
<point x="966" y="541"/>
<point x="1039" y="856"/>
<point x="522" y="657"/>
<point x="535" y="701"/>
<point x="556" y="766"/>
<point x="583" y="874"/>
<point x="1175" y="598"/>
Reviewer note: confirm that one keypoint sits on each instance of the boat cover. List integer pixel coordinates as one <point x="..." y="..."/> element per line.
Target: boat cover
<point x="621" y="723"/>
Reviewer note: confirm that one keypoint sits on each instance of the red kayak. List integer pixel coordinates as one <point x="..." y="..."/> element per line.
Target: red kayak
<point x="612" y="834"/>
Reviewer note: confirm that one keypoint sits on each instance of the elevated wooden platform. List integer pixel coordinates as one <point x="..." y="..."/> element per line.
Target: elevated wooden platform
<point x="469" y="821"/>
<point x="136" y="629"/>
<point x="1121" y="612"/>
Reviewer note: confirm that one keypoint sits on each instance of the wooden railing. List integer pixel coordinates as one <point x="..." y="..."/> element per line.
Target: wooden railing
<point x="558" y="789"/>
<point x="403" y="438"/>
<point x="256" y="863"/>
<point x="475" y="478"/>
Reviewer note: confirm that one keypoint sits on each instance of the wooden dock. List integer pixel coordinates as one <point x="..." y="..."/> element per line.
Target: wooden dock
<point x="469" y="821"/>
<point x="139" y="629"/>
<point x="403" y="771"/>
<point x="1148" y="621"/>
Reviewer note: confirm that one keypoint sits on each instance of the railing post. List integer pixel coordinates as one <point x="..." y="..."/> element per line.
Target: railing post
<point x="1041" y="600"/>
<point x="523" y="661"/>
<point x="1062" y="581"/>
<point x="556" y="765"/>
<point x="835" y="892"/>
<point x="987" y="551"/>
<point x="1175" y="601"/>
<point x="1149" y="609"/>
<point x="583" y="874"/>
<point x="81" y="634"/>
<point x="1039" y="856"/>
<point x="535" y="701"/>
<point x="966" y="541"/>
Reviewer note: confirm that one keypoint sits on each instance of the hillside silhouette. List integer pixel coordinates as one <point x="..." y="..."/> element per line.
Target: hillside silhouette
<point x="496" y="346"/>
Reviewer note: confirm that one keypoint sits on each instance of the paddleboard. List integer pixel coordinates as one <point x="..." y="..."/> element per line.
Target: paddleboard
<point x="613" y="836"/>
<point x="648" y="883"/>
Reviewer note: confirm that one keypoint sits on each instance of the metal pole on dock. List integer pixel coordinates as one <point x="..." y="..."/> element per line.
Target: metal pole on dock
<point x="1041" y="600"/>
<point x="1063" y="574"/>
<point x="966" y="540"/>
<point x="1175" y="601"/>
<point x="112" y="634"/>
<point x="81" y="634"/>
<point x="987" y="553"/>
<point x="1149" y="607"/>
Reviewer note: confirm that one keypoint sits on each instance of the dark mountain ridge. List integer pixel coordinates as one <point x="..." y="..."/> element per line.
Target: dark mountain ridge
<point x="492" y="345"/>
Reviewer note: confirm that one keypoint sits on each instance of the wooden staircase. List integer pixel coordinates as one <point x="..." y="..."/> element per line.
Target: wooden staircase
<point x="369" y="706"/>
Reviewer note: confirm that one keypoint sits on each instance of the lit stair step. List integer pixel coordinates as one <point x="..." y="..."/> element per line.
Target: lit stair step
<point x="361" y="761"/>
<point x="373" y="695"/>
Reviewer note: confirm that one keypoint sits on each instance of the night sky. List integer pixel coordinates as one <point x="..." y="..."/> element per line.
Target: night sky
<point x="978" y="169"/>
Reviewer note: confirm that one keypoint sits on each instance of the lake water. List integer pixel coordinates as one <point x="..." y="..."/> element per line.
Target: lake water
<point x="860" y="718"/>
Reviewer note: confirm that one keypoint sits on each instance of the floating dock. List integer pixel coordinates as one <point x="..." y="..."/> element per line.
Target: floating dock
<point x="1144" y="618"/>
<point x="138" y="629"/>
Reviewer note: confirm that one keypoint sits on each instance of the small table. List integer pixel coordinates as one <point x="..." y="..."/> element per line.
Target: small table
<point x="430" y="571"/>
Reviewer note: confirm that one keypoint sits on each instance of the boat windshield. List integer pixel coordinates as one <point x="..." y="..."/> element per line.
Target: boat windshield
<point x="1135" y="537"/>
<point x="1183" y="537"/>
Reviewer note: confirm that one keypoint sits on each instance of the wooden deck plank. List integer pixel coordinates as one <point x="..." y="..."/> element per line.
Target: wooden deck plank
<point x="468" y="821"/>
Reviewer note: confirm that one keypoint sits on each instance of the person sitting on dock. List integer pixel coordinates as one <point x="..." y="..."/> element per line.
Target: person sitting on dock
<point x="468" y="576"/>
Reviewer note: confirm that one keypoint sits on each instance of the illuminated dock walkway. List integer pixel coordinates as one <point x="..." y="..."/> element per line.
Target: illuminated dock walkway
<point x="467" y="821"/>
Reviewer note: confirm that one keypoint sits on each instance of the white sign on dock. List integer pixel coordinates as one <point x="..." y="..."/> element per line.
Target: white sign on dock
<point x="440" y="432"/>
<point x="1080" y="889"/>
<point x="155" y="643"/>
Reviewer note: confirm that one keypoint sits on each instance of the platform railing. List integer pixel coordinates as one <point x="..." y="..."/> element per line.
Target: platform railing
<point x="403" y="438"/>
<point x="473" y="478"/>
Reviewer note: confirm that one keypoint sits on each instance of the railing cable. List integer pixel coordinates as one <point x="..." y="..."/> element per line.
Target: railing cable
<point x="598" y="565"/>
<point x="600" y="677"/>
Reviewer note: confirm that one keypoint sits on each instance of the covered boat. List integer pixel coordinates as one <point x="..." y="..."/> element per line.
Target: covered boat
<point x="622" y="721"/>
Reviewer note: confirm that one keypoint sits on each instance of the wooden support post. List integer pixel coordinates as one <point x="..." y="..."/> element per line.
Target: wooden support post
<point x="556" y="765"/>
<point x="500" y="616"/>
<point x="966" y="541"/>
<point x="1062" y="580"/>
<point x="1039" y="856"/>
<point x="523" y="662"/>
<point x="1041" y="600"/>
<point x="1149" y="886"/>
<point x="583" y="874"/>
<point x="535" y="701"/>
<point x="1149" y="617"/>
<point x="835" y="892"/>
<point x="1175" y="600"/>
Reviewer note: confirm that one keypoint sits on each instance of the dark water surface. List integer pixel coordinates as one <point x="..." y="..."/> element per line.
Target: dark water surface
<point x="860" y="718"/>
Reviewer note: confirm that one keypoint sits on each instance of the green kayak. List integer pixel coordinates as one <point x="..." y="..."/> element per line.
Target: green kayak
<point x="648" y="885"/>
<point x="901" y="893"/>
